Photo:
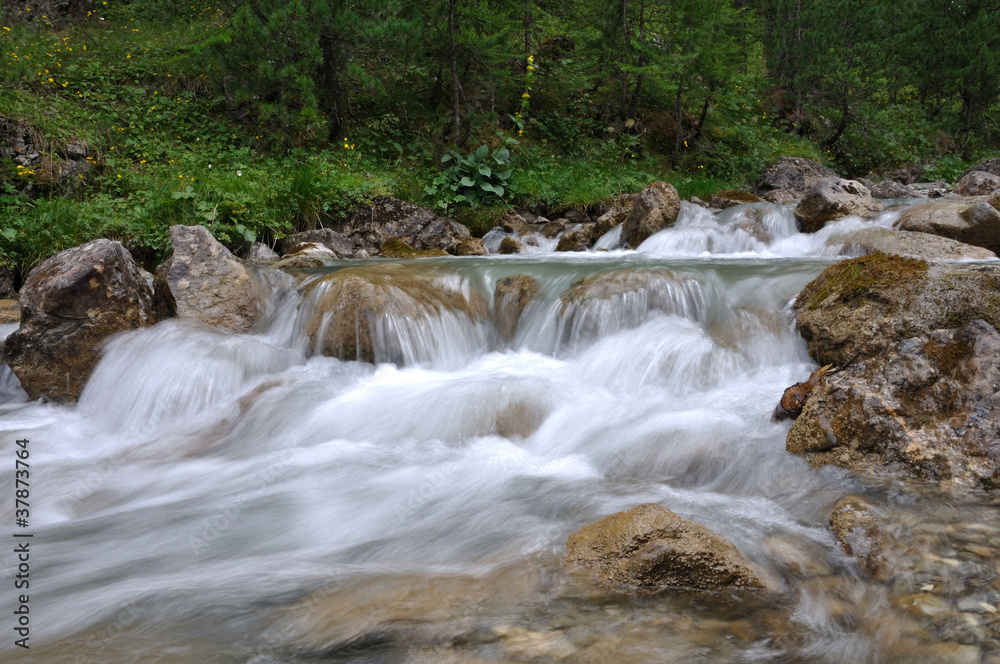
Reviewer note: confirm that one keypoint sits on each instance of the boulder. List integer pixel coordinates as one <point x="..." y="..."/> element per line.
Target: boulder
<point x="70" y="304"/>
<point x="926" y="408"/>
<point x="790" y="179"/>
<point x="338" y="243"/>
<point x="510" y="297"/>
<point x="553" y="228"/>
<point x="515" y="223"/>
<point x="651" y="548"/>
<point x="972" y="221"/>
<point x="977" y="183"/>
<point x="653" y="209"/>
<point x="831" y="199"/>
<point x="906" y="243"/>
<point x="7" y="281"/>
<point x="10" y="312"/>
<point x="892" y="189"/>
<point x="203" y="281"/>
<point x="727" y="198"/>
<point x="397" y="248"/>
<point x="988" y="166"/>
<point x="863" y="306"/>
<point x="510" y="246"/>
<point x="261" y="253"/>
<point x="860" y="533"/>
<point x="415" y="225"/>
<point x="344" y="309"/>
<point x="578" y="240"/>
<point x="936" y="189"/>
<point x="471" y="247"/>
<point x="615" y="215"/>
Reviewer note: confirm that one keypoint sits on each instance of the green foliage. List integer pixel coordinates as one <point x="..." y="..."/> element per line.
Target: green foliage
<point x="480" y="176"/>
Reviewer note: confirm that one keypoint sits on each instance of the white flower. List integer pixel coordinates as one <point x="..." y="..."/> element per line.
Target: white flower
<point x="239" y="174"/>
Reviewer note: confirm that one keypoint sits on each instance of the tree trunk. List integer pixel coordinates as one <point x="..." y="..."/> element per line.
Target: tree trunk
<point x="678" y="131"/>
<point x="329" y="82"/>
<point x="456" y="110"/>
<point x="527" y="28"/>
<point x="623" y="111"/>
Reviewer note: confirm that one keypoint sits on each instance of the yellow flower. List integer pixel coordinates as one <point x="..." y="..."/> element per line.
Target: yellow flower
<point x="525" y="96"/>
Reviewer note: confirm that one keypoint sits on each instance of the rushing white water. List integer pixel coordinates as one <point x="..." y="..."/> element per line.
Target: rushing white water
<point x="207" y="482"/>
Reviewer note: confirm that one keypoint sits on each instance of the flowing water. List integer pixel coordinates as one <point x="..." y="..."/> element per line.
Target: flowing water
<point x="225" y="498"/>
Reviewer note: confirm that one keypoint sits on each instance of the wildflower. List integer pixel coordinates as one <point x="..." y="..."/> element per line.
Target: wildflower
<point x="525" y="96"/>
<point x="239" y="173"/>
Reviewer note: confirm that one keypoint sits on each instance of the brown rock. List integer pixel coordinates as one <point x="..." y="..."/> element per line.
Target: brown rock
<point x="510" y="246"/>
<point x="553" y="228"/>
<point x="977" y="183"/>
<point x="865" y="305"/>
<point x="471" y="247"/>
<point x="968" y="221"/>
<point x="893" y="189"/>
<point x="203" y="281"/>
<point x="911" y="244"/>
<point x="415" y="225"/>
<point x="727" y="198"/>
<point x="574" y="241"/>
<point x="510" y="297"/>
<point x="262" y="254"/>
<point x="304" y="256"/>
<point x="652" y="548"/>
<point x="10" y="312"/>
<point x="988" y="166"/>
<point x="397" y="248"/>
<point x="859" y="531"/>
<point x="653" y="209"/>
<point x="69" y="305"/>
<point x="831" y="199"/>
<point x="345" y="308"/>
<point x="925" y="408"/>
<point x="790" y="179"/>
<point x="620" y="208"/>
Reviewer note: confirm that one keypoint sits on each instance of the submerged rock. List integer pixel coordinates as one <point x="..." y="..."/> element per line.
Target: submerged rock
<point x="926" y="407"/>
<point x="70" y="304"/>
<point x="653" y="209"/>
<point x="790" y="179"/>
<point x="510" y="297"/>
<point x="911" y="244"/>
<point x="651" y="548"/>
<point x="860" y="532"/>
<point x="345" y="309"/>
<point x="831" y="199"/>
<point x="203" y="281"/>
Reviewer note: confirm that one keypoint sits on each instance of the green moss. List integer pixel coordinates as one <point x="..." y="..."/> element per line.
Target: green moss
<point x="396" y="248"/>
<point x="866" y="278"/>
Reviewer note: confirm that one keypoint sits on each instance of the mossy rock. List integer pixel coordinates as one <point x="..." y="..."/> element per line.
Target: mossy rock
<point x="396" y="248"/>
<point x="864" y="305"/>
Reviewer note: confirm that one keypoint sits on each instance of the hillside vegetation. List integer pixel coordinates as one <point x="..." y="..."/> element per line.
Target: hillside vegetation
<point x="258" y="118"/>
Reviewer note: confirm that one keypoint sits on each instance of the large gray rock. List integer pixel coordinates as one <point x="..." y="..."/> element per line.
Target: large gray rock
<point x="203" y="281"/>
<point x="972" y="221"/>
<point x="988" y="166"/>
<point x="926" y="408"/>
<point x="651" y="548"/>
<point x="831" y="199"/>
<point x="790" y="179"/>
<point x="864" y="306"/>
<point x="907" y="243"/>
<point x="892" y="189"/>
<point x="415" y="225"/>
<point x="653" y="209"/>
<point x="977" y="183"/>
<point x="70" y="304"/>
